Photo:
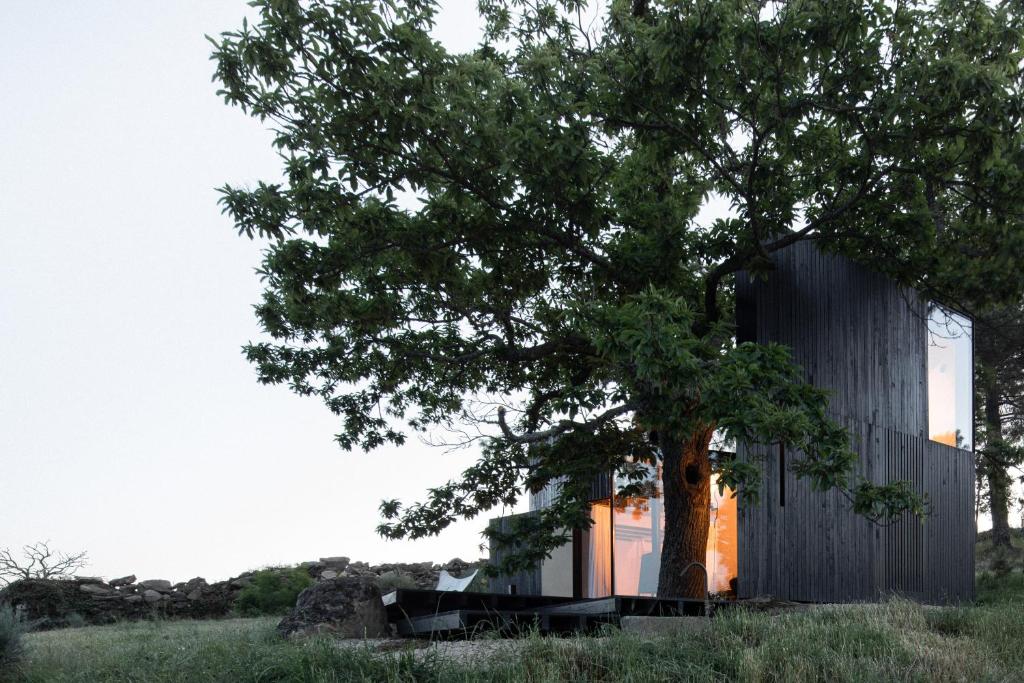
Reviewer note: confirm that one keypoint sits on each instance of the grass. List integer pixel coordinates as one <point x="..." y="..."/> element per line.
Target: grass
<point x="897" y="640"/>
<point x="985" y="555"/>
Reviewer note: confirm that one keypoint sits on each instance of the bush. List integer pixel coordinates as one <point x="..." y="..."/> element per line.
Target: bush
<point x="272" y="591"/>
<point x="392" y="581"/>
<point x="12" y="628"/>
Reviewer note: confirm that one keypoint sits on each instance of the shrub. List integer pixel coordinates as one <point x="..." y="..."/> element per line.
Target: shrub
<point x="391" y="581"/>
<point x="272" y="591"/>
<point x="12" y="628"/>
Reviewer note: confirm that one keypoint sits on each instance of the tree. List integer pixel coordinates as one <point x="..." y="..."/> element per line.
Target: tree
<point x="514" y="243"/>
<point x="999" y="353"/>
<point x="38" y="561"/>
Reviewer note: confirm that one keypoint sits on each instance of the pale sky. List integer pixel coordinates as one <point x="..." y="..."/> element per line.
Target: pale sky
<point x="130" y="424"/>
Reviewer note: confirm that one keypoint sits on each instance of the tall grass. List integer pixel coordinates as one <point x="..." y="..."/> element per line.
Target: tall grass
<point x="12" y="633"/>
<point x="894" y="641"/>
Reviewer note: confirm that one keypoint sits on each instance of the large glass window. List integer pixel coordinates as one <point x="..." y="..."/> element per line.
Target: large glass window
<point x="597" y="552"/>
<point x="950" y="378"/>
<point x="623" y="547"/>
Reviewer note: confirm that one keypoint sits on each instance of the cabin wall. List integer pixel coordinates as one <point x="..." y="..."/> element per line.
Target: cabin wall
<point x="858" y="335"/>
<point x="522" y="583"/>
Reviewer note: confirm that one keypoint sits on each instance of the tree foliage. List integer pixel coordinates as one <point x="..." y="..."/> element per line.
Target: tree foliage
<point x="999" y="359"/>
<point x="519" y="243"/>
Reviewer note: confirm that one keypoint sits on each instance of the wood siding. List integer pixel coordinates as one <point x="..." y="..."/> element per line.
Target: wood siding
<point x="863" y="338"/>
<point x="522" y="583"/>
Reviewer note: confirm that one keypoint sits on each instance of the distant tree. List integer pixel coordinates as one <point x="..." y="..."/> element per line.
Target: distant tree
<point x="515" y="242"/>
<point x="38" y="561"/>
<point x="999" y="352"/>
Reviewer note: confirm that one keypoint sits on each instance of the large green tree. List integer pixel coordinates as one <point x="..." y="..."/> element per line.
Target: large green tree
<point x="516" y="243"/>
<point x="999" y="355"/>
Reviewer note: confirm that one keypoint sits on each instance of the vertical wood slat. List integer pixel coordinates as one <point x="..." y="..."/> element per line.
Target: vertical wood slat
<point x="858" y="335"/>
<point x="524" y="582"/>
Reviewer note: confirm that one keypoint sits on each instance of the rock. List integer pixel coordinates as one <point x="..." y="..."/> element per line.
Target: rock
<point x="95" y="589"/>
<point x="338" y="564"/>
<point x="241" y="581"/>
<point x="328" y="574"/>
<point x="347" y="606"/>
<point x="651" y="626"/>
<point x="151" y="595"/>
<point x="156" y="585"/>
<point x="133" y="598"/>
<point x="123" y="581"/>
<point x="89" y="579"/>
<point x="194" y="595"/>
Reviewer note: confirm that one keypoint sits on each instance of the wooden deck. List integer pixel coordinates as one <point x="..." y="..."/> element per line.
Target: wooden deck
<point x="436" y="614"/>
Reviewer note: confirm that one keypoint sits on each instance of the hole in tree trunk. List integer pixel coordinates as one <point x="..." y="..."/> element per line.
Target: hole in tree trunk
<point x="692" y="475"/>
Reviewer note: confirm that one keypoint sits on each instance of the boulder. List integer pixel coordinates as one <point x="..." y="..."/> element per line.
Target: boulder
<point x="196" y="583"/>
<point x="95" y="589"/>
<point x="241" y="581"/>
<point x="338" y="564"/>
<point x="151" y="595"/>
<point x="156" y="585"/>
<point x="328" y="574"/>
<point x="664" y="626"/>
<point x="122" y="581"/>
<point x="347" y="606"/>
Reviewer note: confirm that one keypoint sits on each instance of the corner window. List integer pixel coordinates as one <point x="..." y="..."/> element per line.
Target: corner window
<point x="950" y="377"/>
<point x="622" y="549"/>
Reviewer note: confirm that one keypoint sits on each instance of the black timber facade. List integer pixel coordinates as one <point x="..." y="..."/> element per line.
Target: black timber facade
<point x="860" y="336"/>
<point x="857" y="334"/>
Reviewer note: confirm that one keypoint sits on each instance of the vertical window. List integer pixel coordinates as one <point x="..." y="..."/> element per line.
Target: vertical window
<point x="636" y="528"/>
<point x="950" y="377"/>
<point x="639" y="528"/>
<point x="597" y="555"/>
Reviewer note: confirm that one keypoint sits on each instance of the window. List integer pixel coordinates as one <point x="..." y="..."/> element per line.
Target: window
<point x="597" y="553"/>
<point x="950" y="378"/>
<point x="624" y="544"/>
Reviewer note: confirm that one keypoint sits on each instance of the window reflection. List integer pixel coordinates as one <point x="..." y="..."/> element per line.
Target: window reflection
<point x="950" y="378"/>
<point x="597" y="556"/>
<point x="630" y="537"/>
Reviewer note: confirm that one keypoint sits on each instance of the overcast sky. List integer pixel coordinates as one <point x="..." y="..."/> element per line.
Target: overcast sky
<point x="130" y="424"/>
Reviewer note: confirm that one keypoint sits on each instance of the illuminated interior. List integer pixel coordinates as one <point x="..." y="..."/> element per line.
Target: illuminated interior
<point x="950" y="378"/>
<point x="629" y="536"/>
<point x="597" y="559"/>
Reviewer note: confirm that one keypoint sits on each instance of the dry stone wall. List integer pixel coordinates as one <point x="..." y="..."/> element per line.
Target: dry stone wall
<point x="48" y="603"/>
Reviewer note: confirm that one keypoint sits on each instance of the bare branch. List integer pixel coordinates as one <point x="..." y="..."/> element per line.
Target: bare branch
<point x="38" y="561"/>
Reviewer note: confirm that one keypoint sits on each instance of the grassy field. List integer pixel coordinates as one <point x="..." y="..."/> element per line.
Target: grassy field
<point x="894" y="641"/>
<point x="985" y="555"/>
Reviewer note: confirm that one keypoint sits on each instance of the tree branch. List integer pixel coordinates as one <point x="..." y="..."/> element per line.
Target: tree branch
<point x="562" y="427"/>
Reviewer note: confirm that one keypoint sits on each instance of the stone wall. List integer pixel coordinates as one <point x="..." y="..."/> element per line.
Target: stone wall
<point x="49" y="603"/>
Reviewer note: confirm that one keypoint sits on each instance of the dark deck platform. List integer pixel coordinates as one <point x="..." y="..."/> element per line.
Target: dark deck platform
<point x="426" y="613"/>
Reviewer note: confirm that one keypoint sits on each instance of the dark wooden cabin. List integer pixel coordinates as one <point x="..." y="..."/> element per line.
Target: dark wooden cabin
<point x="900" y="371"/>
<point x="868" y="341"/>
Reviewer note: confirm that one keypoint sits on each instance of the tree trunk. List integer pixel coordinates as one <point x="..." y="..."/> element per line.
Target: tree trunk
<point x="998" y="479"/>
<point x="686" y="477"/>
